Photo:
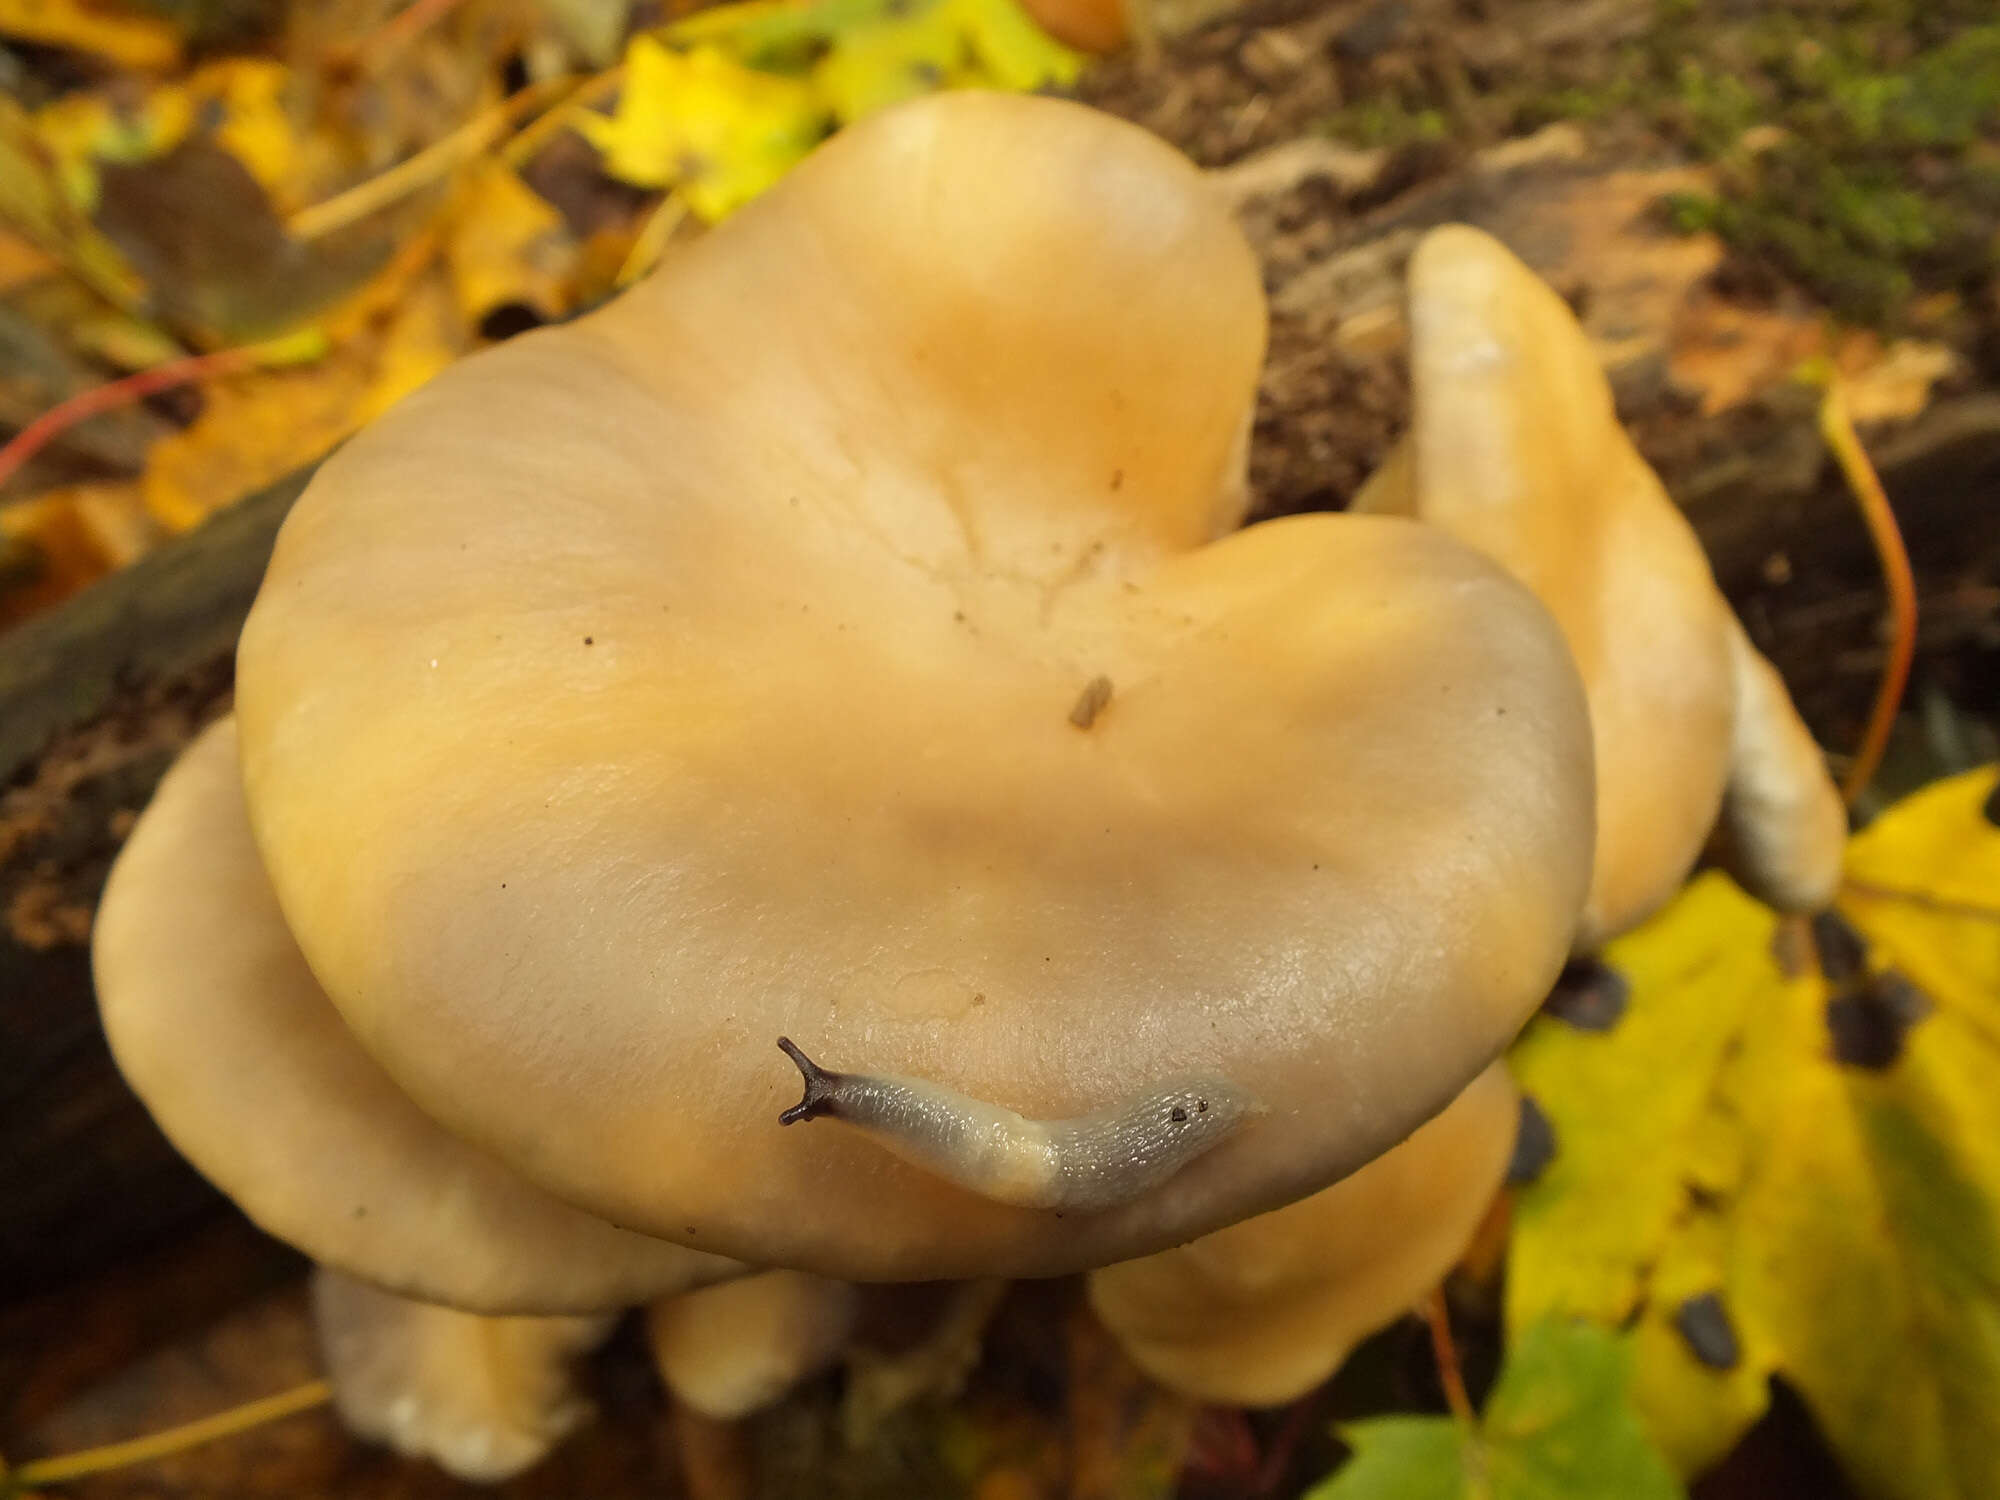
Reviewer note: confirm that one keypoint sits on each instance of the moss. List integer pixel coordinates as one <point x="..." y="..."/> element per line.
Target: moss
<point x="1388" y="122"/>
<point x="1876" y="184"/>
<point x="1857" y="142"/>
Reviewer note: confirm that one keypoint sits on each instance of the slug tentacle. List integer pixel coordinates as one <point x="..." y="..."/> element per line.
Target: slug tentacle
<point x="819" y="1086"/>
<point x="1093" y="1161"/>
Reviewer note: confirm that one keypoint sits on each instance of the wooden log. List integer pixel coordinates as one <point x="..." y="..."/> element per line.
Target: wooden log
<point x="95" y="699"/>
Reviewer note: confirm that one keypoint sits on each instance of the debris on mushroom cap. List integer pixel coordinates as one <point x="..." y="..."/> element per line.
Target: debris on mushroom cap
<point x="483" y="1397"/>
<point x="1515" y="448"/>
<point x="734" y="1349"/>
<point x="219" y="1026"/>
<point x="1261" y="1312"/>
<point x="850" y="498"/>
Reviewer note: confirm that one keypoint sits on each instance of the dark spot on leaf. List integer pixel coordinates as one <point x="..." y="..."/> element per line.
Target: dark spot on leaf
<point x="360" y="1210"/>
<point x="1704" y="1322"/>
<point x="507" y="319"/>
<point x="1589" y="994"/>
<point x="1117" y="479"/>
<point x="1534" y="1143"/>
<point x="1178" y="1115"/>
<point x="1201" y="1106"/>
<point x="1842" y="955"/>
<point x="1869" y="1021"/>
<point x="590" y="640"/>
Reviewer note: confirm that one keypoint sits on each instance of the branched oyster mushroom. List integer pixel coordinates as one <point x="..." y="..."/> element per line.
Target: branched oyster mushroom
<point x="844" y="635"/>
<point x="701" y="672"/>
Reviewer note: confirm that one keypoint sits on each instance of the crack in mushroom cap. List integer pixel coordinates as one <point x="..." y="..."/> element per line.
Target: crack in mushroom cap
<point x="220" y="1028"/>
<point x="1516" y="449"/>
<point x="1261" y="1312"/>
<point x="702" y="672"/>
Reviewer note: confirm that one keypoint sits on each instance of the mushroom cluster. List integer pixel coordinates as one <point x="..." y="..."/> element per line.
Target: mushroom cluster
<point x="847" y="637"/>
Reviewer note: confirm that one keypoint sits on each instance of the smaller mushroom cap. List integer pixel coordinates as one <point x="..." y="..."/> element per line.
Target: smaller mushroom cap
<point x="482" y="1397"/>
<point x="220" y="1028"/>
<point x="1515" y="448"/>
<point x="1261" y="1312"/>
<point x="734" y="1349"/>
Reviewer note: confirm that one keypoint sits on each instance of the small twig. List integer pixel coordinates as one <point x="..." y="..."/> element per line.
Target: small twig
<point x="68" y="1466"/>
<point x="592" y="92"/>
<point x="1449" y="1375"/>
<point x="429" y="164"/>
<point x="652" y="239"/>
<point x="379" y="48"/>
<point x="51" y="424"/>
<point x="1837" y="430"/>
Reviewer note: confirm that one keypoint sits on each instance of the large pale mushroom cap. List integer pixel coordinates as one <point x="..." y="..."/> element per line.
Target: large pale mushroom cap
<point x="1261" y="1312"/>
<point x="1515" y="448"/>
<point x="220" y="1028"/>
<point x="716" y="668"/>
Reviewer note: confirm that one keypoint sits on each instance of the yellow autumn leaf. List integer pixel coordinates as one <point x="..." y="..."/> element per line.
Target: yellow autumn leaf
<point x="117" y="33"/>
<point x="65" y="538"/>
<point x="259" y="426"/>
<point x="701" y="123"/>
<point x="36" y="199"/>
<point x="1010" y="50"/>
<point x="506" y="245"/>
<point x="880" y="63"/>
<point x="1796" y="1175"/>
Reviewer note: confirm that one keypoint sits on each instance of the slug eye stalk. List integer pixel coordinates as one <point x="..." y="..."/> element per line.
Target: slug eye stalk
<point x="819" y="1086"/>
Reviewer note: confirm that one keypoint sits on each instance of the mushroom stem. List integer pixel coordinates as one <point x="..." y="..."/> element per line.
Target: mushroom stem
<point x="1092" y="1161"/>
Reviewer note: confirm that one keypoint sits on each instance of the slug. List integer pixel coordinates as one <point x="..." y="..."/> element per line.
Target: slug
<point x="1093" y="1161"/>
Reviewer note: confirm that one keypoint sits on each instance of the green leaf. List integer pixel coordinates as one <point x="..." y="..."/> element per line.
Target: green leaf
<point x="1814" y="1160"/>
<point x="1409" y="1458"/>
<point x="1559" y="1423"/>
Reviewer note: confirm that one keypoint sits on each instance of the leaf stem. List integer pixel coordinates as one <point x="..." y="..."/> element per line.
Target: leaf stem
<point x="58" y="419"/>
<point x="1450" y="1376"/>
<point x="1836" y="428"/>
<point x="237" y="1419"/>
<point x="379" y="48"/>
<point x="434" y="161"/>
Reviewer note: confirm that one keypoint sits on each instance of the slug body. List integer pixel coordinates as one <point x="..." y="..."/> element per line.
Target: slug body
<point x="1093" y="1161"/>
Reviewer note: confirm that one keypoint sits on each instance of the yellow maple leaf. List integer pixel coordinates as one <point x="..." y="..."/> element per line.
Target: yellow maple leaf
<point x="140" y="42"/>
<point x="507" y="246"/>
<point x="1796" y="1174"/>
<point x="701" y="123"/>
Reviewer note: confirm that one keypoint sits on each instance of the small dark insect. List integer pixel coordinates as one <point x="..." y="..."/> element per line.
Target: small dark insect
<point x="1178" y="1115"/>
